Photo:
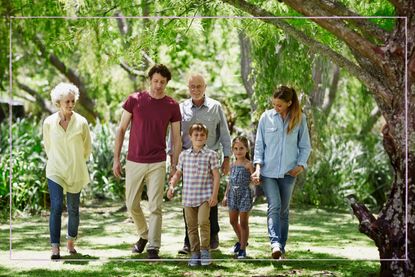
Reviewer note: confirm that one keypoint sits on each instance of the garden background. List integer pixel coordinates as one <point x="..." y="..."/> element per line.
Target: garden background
<point x="106" y="47"/>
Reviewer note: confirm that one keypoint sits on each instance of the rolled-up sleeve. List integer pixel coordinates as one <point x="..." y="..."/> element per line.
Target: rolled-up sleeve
<point x="259" y="143"/>
<point x="225" y="137"/>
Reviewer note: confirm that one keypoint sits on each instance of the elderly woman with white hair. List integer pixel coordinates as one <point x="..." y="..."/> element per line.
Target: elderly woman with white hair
<point x="67" y="142"/>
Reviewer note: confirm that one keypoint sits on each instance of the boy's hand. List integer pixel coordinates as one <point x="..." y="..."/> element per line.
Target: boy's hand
<point x="225" y="201"/>
<point x="213" y="201"/>
<point x="170" y="193"/>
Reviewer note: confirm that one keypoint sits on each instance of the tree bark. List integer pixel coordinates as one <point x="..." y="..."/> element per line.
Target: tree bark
<point x="381" y="67"/>
<point x="248" y="79"/>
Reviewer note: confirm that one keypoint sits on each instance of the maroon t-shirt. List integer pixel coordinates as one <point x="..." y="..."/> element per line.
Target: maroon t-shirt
<point x="149" y="122"/>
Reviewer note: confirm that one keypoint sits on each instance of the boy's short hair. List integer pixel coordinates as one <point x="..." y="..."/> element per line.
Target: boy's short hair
<point x="198" y="127"/>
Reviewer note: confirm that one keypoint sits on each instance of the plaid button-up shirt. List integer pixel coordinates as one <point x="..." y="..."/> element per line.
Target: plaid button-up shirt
<point x="196" y="168"/>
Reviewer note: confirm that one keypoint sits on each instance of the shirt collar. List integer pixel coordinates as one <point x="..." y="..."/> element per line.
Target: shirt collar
<point x="274" y="113"/>
<point x="205" y="102"/>
<point x="203" y="150"/>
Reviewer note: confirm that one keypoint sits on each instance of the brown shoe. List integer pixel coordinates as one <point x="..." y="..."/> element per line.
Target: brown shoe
<point x="153" y="254"/>
<point x="138" y="247"/>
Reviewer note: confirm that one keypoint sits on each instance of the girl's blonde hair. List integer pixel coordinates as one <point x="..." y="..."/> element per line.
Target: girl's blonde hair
<point x="245" y="142"/>
<point x="288" y="94"/>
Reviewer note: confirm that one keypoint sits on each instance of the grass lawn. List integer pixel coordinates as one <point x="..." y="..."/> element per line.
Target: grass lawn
<point x="321" y="243"/>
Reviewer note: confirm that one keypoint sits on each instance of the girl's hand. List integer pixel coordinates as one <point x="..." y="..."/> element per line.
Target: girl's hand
<point x="296" y="170"/>
<point x="256" y="177"/>
<point x="213" y="201"/>
<point x="225" y="201"/>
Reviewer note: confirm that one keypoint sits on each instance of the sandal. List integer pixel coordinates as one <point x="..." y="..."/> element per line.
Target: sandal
<point x="55" y="254"/>
<point x="71" y="248"/>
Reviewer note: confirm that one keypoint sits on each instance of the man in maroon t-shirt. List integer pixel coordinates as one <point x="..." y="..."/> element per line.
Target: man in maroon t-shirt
<point x="150" y="113"/>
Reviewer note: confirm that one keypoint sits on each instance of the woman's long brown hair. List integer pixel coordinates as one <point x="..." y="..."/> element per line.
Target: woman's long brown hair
<point x="288" y="94"/>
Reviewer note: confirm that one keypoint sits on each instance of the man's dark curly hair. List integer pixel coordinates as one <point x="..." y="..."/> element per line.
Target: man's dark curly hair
<point x="160" y="69"/>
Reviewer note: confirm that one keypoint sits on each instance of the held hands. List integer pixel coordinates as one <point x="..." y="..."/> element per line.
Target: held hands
<point x="296" y="170"/>
<point x="170" y="192"/>
<point x="213" y="201"/>
<point x="225" y="201"/>
<point x="172" y="172"/>
<point x="255" y="177"/>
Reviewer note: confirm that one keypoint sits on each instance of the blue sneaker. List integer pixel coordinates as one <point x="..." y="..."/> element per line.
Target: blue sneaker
<point x="205" y="257"/>
<point x="194" y="259"/>
<point x="242" y="254"/>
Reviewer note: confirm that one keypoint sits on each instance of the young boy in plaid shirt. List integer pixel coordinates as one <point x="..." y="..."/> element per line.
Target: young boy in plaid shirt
<point x="200" y="168"/>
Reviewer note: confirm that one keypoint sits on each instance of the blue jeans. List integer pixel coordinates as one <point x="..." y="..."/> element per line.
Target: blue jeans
<point x="56" y="206"/>
<point x="278" y="192"/>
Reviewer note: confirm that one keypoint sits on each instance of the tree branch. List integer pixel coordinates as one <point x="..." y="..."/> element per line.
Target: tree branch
<point x="131" y="71"/>
<point x="70" y="74"/>
<point x="332" y="90"/>
<point x="382" y="92"/>
<point x="248" y="77"/>
<point x="39" y="99"/>
<point x="246" y="64"/>
<point x="122" y="23"/>
<point x="317" y="94"/>
<point x="366" y="27"/>
<point x="375" y="114"/>
<point x="399" y="6"/>
<point x="367" y="222"/>
<point x="339" y="28"/>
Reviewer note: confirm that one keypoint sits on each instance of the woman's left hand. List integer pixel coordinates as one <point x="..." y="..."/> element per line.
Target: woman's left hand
<point x="296" y="170"/>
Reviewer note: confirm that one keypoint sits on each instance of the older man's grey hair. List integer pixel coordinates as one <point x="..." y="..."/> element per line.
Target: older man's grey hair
<point x="62" y="90"/>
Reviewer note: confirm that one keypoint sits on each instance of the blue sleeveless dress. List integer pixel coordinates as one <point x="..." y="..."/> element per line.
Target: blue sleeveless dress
<point x="240" y="194"/>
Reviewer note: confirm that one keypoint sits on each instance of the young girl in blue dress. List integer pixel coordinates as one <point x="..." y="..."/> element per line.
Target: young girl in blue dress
<point x="238" y="195"/>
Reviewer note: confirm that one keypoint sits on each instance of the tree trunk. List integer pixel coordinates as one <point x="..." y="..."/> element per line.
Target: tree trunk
<point x="248" y="79"/>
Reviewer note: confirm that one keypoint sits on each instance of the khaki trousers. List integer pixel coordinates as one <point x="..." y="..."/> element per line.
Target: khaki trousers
<point x="198" y="217"/>
<point x="153" y="175"/>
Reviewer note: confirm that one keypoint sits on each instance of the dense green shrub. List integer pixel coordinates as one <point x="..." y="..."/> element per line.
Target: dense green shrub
<point x="29" y="187"/>
<point x="103" y="182"/>
<point x="343" y="169"/>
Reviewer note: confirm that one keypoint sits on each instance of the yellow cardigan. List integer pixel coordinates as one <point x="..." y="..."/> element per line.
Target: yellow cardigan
<point x="67" y="151"/>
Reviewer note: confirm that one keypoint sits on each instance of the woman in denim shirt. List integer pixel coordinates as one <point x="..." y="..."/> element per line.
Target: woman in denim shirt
<point x="282" y="148"/>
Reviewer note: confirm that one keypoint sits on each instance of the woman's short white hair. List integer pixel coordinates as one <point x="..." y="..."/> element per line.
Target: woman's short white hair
<point x="62" y="90"/>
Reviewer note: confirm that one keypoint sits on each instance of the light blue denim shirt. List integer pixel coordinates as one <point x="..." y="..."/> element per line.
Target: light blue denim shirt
<point x="276" y="151"/>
